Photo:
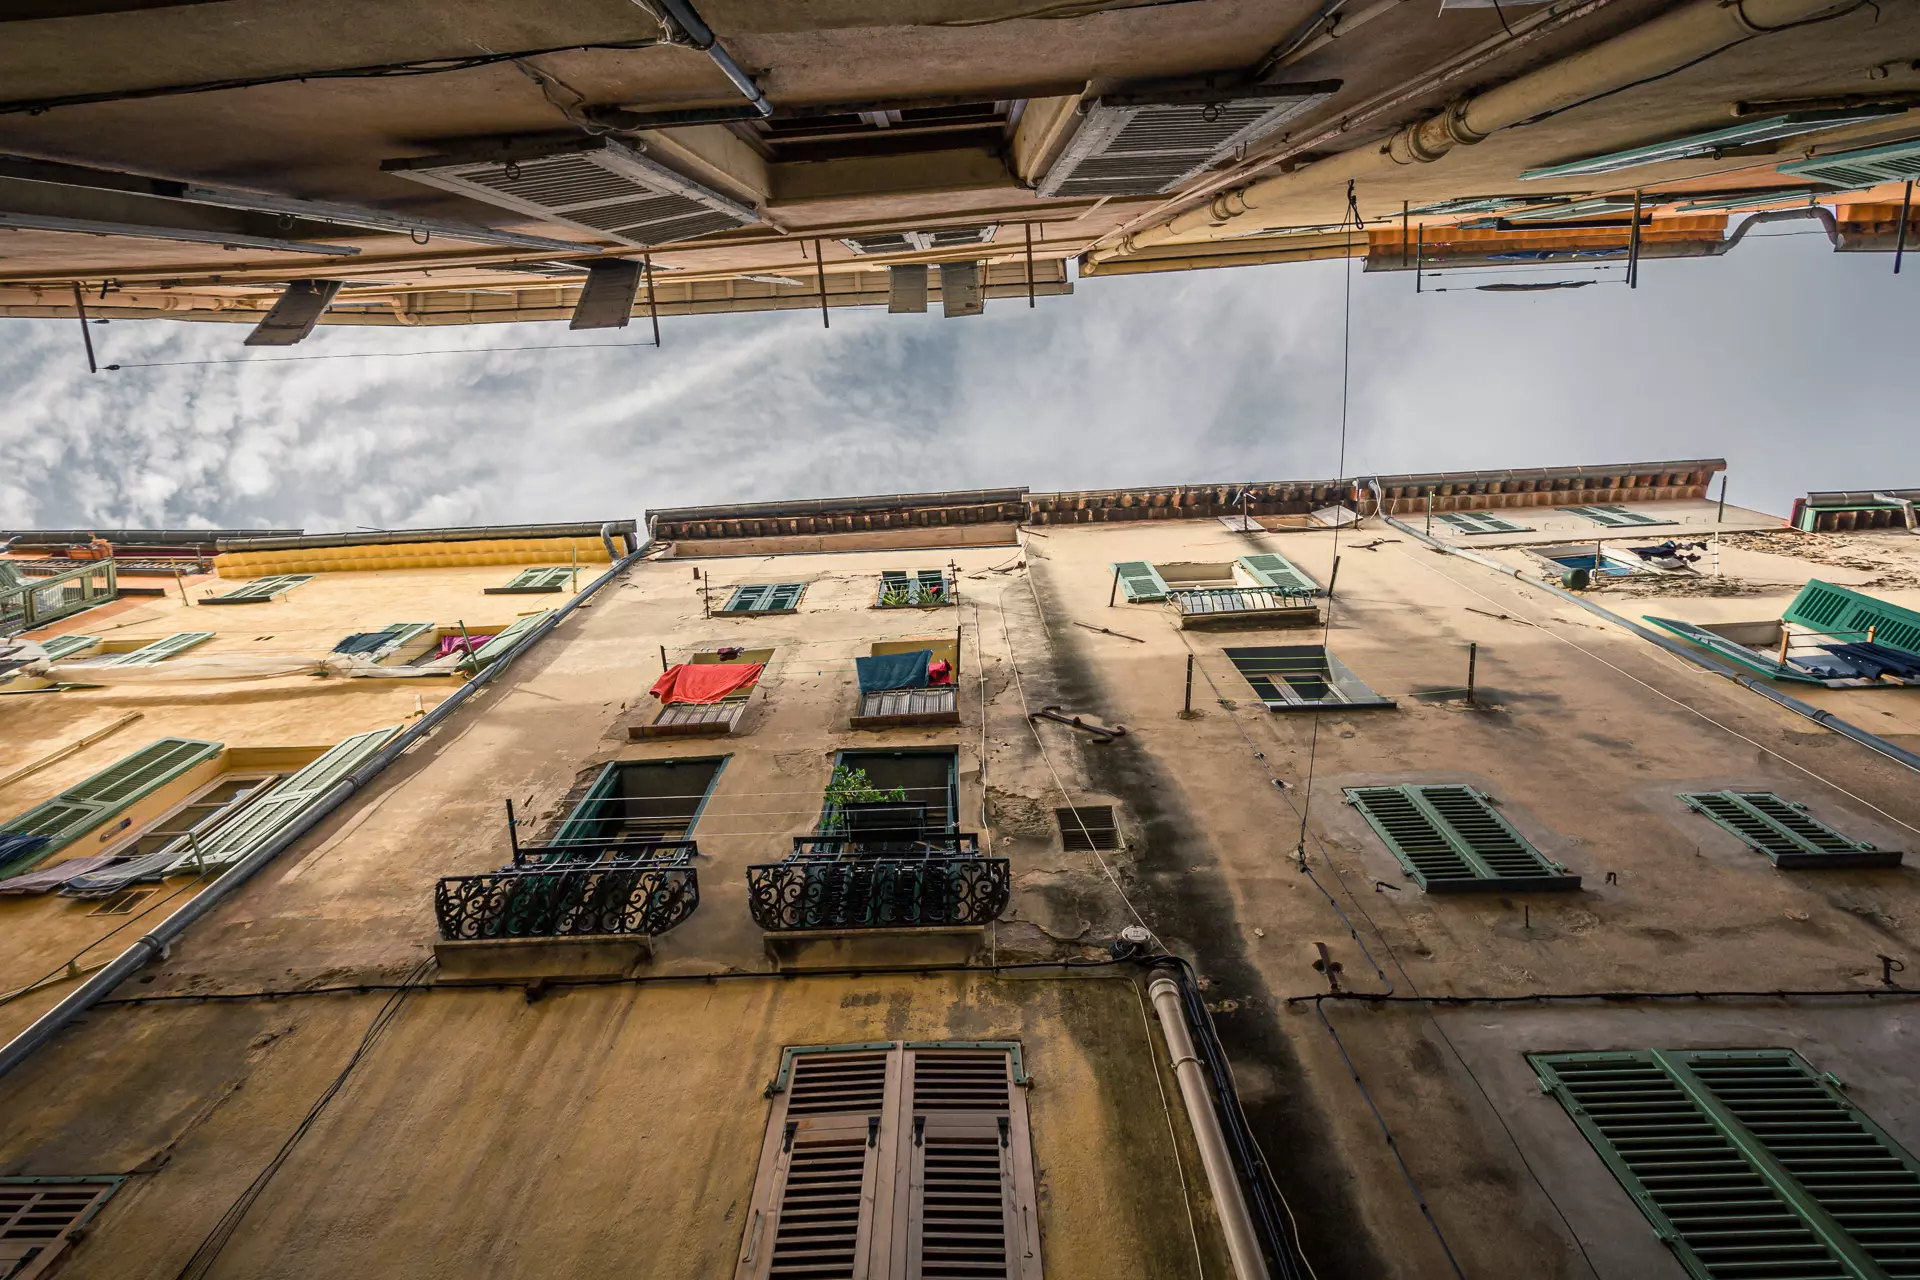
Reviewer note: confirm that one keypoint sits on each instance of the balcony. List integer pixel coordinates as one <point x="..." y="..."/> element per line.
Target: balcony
<point x="899" y="708"/>
<point x="837" y="883"/>
<point x="591" y="889"/>
<point x="1219" y="607"/>
<point x="26" y="604"/>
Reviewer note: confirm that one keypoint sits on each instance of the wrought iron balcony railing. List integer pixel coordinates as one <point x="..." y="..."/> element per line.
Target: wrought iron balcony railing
<point x="573" y="890"/>
<point x="1231" y="600"/>
<point x="818" y="890"/>
<point x="927" y="844"/>
<point x="29" y="603"/>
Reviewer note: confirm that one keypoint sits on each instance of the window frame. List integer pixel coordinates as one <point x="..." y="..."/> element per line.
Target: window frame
<point x="826" y="826"/>
<point x="768" y="592"/>
<point x="538" y="580"/>
<point x="601" y="790"/>
<point x="1347" y="691"/>
<point x="260" y="590"/>
<point x="1616" y="516"/>
<point x="1466" y="521"/>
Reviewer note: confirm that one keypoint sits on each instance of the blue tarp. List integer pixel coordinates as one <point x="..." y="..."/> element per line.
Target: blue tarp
<point x="894" y="671"/>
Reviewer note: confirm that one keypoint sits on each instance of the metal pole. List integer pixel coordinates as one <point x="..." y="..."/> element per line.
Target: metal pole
<point x="1473" y="663"/>
<point x="1419" y="255"/>
<point x="1114" y="590"/>
<point x="1188" y="709"/>
<point x="80" y="306"/>
<point x="663" y="659"/>
<point x="513" y="834"/>
<point x="1403" y="233"/>
<point x="820" y="272"/>
<point x="1243" y="1247"/>
<point x="1429" y="513"/>
<point x="653" y="303"/>
<point x="576" y="568"/>
<point x="466" y="642"/>
<point x="1333" y="577"/>
<point x="1029" y="227"/>
<point x="1633" y="246"/>
<point x="1900" y="241"/>
<point x="1722" y="516"/>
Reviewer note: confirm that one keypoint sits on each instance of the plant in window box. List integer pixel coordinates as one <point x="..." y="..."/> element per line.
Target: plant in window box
<point x="852" y="786"/>
<point x="895" y="598"/>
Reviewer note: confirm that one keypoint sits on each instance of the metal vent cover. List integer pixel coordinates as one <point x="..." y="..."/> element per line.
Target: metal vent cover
<point x="960" y="291"/>
<point x="907" y="288"/>
<point x="595" y="184"/>
<point x="1087" y="827"/>
<point x="1137" y="145"/>
<point x="912" y="241"/>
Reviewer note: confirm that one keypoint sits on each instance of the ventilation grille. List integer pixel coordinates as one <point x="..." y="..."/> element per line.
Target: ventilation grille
<point x="963" y="1223"/>
<point x="1128" y="146"/>
<point x="1867" y="167"/>
<point x="960" y="1080"/>
<point x="36" y="1216"/>
<point x="594" y="184"/>
<point x="914" y="241"/>
<point x="836" y="1083"/>
<point x="1087" y="827"/>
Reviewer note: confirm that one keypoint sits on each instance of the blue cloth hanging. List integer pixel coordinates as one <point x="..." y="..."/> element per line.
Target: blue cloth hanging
<point x="894" y="671"/>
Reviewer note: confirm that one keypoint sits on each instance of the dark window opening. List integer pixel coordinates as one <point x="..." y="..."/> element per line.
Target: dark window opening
<point x="1087" y="827"/>
<point x="919" y="788"/>
<point x="1292" y="676"/>
<point x="642" y="800"/>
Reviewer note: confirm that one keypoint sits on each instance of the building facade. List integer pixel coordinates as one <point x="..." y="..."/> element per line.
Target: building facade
<point x="1425" y="875"/>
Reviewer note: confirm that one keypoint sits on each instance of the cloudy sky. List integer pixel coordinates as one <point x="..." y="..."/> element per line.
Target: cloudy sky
<point x="1792" y="362"/>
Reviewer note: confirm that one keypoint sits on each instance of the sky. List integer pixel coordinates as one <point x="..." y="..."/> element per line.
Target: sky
<point x="1790" y="361"/>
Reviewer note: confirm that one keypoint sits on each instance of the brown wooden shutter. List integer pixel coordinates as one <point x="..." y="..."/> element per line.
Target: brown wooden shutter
<point x="819" y="1209"/>
<point x="36" y="1217"/>
<point x="964" y="1194"/>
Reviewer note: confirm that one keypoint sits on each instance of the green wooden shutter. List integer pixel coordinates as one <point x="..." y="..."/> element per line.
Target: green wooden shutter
<point x="1846" y="615"/>
<point x="159" y="650"/>
<point x="1732" y="651"/>
<point x="66" y="646"/>
<point x="530" y="581"/>
<point x="1448" y="838"/>
<point x="1479" y="522"/>
<point x="398" y="634"/>
<point x="493" y="650"/>
<point x="86" y="805"/>
<point x="261" y="589"/>
<point x="1141" y="581"/>
<point x="964" y="1193"/>
<point x="1614" y="516"/>
<point x="1862" y="167"/>
<point x="1746" y="1161"/>
<point x="1279" y="573"/>
<point x="748" y="599"/>
<point x="260" y="822"/>
<point x="785" y="595"/>
<point x="1785" y="832"/>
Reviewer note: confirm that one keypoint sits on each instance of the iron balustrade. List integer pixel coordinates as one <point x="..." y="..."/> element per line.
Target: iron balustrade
<point x="832" y="883"/>
<point x="1192" y="602"/>
<point x="593" y="887"/>
<point x="33" y="603"/>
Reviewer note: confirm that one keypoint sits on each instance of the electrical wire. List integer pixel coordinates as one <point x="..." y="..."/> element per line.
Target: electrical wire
<point x="383" y="355"/>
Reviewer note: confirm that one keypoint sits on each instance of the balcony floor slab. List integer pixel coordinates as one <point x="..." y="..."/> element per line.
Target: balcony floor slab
<point x="606" y="955"/>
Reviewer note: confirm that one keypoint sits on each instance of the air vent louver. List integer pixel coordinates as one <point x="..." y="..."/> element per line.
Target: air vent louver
<point x="1135" y="145"/>
<point x="1867" y="167"/>
<point x="911" y="241"/>
<point x="595" y="184"/>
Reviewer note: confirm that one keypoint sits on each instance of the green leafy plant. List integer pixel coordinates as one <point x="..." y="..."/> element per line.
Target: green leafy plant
<point x="895" y="598"/>
<point x="852" y="786"/>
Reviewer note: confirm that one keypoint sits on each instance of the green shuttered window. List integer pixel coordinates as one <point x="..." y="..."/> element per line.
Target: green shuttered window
<point x="1141" y="581"/>
<point x="1849" y="616"/>
<point x="1785" y="832"/>
<point x="159" y="651"/>
<point x="1614" y="516"/>
<point x="533" y="582"/>
<point x="765" y="597"/>
<point x="1747" y="1162"/>
<point x="1449" y="839"/>
<point x="1479" y="522"/>
<point x="1732" y="651"/>
<point x="66" y="646"/>
<point x="1279" y="573"/>
<point x="920" y="589"/>
<point x="105" y="795"/>
<point x="261" y="589"/>
<point x="493" y="650"/>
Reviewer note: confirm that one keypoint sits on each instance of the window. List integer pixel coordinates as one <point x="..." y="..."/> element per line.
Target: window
<point x="707" y="719"/>
<point x="1603" y="564"/>
<point x="634" y="800"/>
<point x="384" y="643"/>
<point x="1615" y="516"/>
<point x="260" y="590"/>
<point x="59" y="647"/>
<point x="107" y="794"/>
<point x="895" y="1162"/>
<point x="928" y="780"/>
<point x="1247" y="583"/>
<point x="1302" y="677"/>
<point x="1087" y="827"/>
<point x="1449" y="839"/>
<point x="155" y="651"/>
<point x="1747" y="1162"/>
<point x="765" y="597"/>
<point x="39" y="1215"/>
<point x="1785" y="832"/>
<point x="533" y="582"/>
<point x="1854" y="618"/>
<point x="909" y="682"/>
<point x="920" y="589"/>
<point x="1479" y="522"/>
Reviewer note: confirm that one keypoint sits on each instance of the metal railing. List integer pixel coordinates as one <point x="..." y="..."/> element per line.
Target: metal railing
<point x="630" y="887"/>
<point x="27" y="605"/>
<point x="1193" y="602"/>
<point x="887" y="891"/>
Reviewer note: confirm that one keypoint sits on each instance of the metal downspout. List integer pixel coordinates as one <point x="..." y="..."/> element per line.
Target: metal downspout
<point x="1825" y="719"/>
<point x="1243" y="1246"/>
<point x="156" y="942"/>
<point x="701" y="36"/>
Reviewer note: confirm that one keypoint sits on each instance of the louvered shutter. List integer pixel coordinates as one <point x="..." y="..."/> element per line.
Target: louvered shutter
<point x="1751" y="659"/>
<point x="1746" y="1162"/>
<point x="261" y="821"/>
<point x="1785" y="832"/>
<point x="1848" y="615"/>
<point x="1448" y="838"/>
<point x="38" y="1215"/>
<point x="1279" y="573"/>
<point x="104" y="881"/>
<point x="159" y="650"/>
<point x="493" y="650"/>
<point x="398" y="634"/>
<point x="785" y="595"/>
<point x="1134" y="146"/>
<point x="1614" y="516"/>
<point x="1864" y="167"/>
<point x="1141" y="581"/>
<point x="86" y="805"/>
<point x="748" y="599"/>
<point x="60" y="647"/>
<point x="1478" y="522"/>
<point x="528" y="581"/>
<point x="261" y="589"/>
<point x="821" y="1198"/>
<point x="964" y="1196"/>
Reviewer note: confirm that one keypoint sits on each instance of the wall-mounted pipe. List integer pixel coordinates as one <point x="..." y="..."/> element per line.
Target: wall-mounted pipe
<point x="1243" y="1246"/>
<point x="1825" y="719"/>
<point x="701" y="37"/>
<point x="162" y="936"/>
<point x="1661" y="45"/>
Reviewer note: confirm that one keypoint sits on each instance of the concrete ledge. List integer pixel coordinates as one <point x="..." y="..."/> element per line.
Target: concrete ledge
<point x="875" y="948"/>
<point x="605" y="955"/>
